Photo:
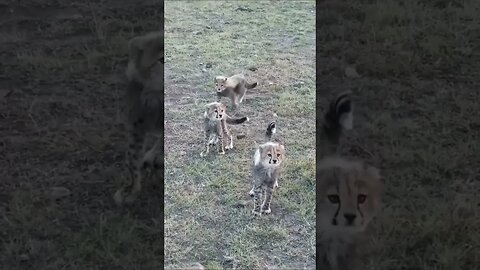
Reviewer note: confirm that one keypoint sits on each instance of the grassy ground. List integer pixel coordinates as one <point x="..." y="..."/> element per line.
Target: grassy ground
<point x="61" y="79"/>
<point x="207" y="209"/>
<point x="417" y="119"/>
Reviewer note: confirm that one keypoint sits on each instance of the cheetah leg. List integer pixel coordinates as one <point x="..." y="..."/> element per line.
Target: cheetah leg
<point x="252" y="192"/>
<point x="207" y="146"/>
<point x="150" y="157"/>
<point x="128" y="191"/>
<point x="268" y="199"/>
<point x="230" y="146"/>
<point x="235" y="105"/>
<point x="221" y="143"/>
<point x="230" y="136"/>
<point x="257" y="194"/>
<point x="241" y="98"/>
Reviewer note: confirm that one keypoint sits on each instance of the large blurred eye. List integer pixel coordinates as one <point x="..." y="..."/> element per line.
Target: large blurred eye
<point x="270" y="155"/>
<point x="216" y="110"/>
<point x="333" y="199"/>
<point x="361" y="198"/>
<point x="278" y="155"/>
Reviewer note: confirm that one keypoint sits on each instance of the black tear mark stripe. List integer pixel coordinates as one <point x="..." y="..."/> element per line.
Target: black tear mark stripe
<point x="339" y="205"/>
<point x="359" y="211"/>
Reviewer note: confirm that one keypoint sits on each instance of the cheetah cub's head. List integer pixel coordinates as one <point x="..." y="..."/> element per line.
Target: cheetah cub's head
<point x="220" y="83"/>
<point x="350" y="194"/>
<point x="215" y="111"/>
<point x="270" y="155"/>
<point x="146" y="56"/>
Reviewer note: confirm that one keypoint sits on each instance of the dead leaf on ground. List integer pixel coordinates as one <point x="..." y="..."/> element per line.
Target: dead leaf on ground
<point x="351" y="72"/>
<point x="59" y="192"/>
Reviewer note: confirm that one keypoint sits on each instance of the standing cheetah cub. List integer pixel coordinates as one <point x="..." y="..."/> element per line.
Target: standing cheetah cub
<point x="144" y="106"/>
<point x="215" y="124"/>
<point x="348" y="193"/>
<point x="267" y="164"/>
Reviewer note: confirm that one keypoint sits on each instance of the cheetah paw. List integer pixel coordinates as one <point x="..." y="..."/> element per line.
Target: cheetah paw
<point x="266" y="211"/>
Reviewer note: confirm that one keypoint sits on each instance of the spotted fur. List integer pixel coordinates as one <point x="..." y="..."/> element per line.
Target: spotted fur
<point x="144" y="112"/>
<point x="267" y="165"/>
<point x="348" y="193"/>
<point x="215" y="126"/>
<point x="234" y="87"/>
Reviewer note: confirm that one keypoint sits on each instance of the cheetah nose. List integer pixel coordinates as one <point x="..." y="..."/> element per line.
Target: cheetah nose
<point x="274" y="161"/>
<point x="350" y="218"/>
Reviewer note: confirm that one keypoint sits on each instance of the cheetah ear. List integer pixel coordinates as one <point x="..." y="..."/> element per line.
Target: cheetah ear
<point x="260" y="147"/>
<point x="375" y="177"/>
<point x="258" y="155"/>
<point x="372" y="172"/>
<point x="206" y="110"/>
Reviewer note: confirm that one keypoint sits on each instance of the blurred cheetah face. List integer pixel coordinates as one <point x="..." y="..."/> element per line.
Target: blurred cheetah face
<point x="215" y="111"/>
<point x="220" y="83"/>
<point x="349" y="195"/>
<point x="270" y="155"/>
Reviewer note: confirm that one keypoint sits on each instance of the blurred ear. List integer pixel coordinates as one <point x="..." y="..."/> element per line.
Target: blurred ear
<point x="258" y="155"/>
<point x="207" y="107"/>
<point x="133" y="48"/>
<point x="135" y="52"/>
<point x="374" y="177"/>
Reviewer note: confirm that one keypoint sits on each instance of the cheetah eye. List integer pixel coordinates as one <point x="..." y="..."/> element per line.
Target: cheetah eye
<point x="333" y="199"/>
<point x="270" y="155"/>
<point x="278" y="155"/>
<point x="361" y="198"/>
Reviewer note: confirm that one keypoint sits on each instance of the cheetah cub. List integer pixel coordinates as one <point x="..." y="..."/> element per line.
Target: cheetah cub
<point x="348" y="194"/>
<point x="215" y="125"/>
<point x="267" y="165"/>
<point x="144" y="111"/>
<point x="234" y="87"/>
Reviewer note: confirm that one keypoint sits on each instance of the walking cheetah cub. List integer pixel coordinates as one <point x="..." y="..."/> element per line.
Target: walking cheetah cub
<point x="267" y="165"/>
<point x="234" y="87"/>
<point x="215" y="125"/>
<point x="348" y="193"/>
<point x="144" y="106"/>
